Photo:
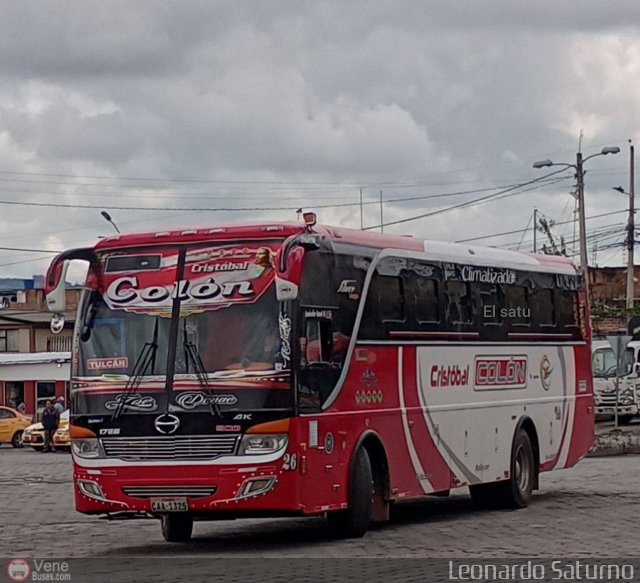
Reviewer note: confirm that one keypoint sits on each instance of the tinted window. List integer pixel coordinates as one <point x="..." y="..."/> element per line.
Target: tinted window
<point x="517" y="305"/>
<point x="5" y="414"/>
<point x="423" y="294"/>
<point x="567" y="308"/>
<point x="491" y="302"/>
<point x="542" y="307"/>
<point x="385" y="301"/>
<point x="457" y="302"/>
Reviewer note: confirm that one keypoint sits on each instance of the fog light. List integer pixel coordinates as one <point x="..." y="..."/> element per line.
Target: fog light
<point x="91" y="489"/>
<point x="256" y="486"/>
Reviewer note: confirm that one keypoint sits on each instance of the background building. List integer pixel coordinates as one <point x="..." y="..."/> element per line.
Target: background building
<point x="34" y="362"/>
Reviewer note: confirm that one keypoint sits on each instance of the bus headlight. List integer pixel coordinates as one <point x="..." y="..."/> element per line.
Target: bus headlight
<point x="87" y="448"/>
<point x="262" y="444"/>
<point x="626" y="397"/>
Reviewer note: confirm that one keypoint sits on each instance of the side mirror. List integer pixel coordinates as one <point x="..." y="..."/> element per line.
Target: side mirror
<point x="285" y="290"/>
<point x="56" y="296"/>
<point x="54" y="282"/>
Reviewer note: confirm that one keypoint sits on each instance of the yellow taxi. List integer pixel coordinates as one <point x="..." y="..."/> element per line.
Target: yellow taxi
<point x="34" y="434"/>
<point x="12" y="425"/>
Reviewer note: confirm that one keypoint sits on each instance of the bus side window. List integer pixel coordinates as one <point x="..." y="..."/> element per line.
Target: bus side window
<point x="424" y="300"/>
<point x="567" y="306"/>
<point x="458" y="306"/>
<point x="384" y="308"/>
<point x="542" y="308"/>
<point x="388" y="295"/>
<point x="517" y="305"/>
<point x="318" y="341"/>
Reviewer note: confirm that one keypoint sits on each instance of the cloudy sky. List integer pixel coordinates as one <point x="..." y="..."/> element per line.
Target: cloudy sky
<point x="171" y="107"/>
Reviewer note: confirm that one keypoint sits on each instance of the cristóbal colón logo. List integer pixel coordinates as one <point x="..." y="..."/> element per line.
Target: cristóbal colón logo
<point x="545" y="372"/>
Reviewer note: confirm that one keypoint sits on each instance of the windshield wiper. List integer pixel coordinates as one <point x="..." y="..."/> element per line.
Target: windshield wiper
<point x="146" y="358"/>
<point x="191" y="353"/>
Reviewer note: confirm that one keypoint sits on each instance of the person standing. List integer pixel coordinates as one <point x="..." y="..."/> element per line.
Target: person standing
<point x="59" y="405"/>
<point x="50" y="422"/>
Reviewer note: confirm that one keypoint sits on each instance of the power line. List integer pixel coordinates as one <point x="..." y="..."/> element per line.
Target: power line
<point x="185" y="180"/>
<point x="473" y="202"/>
<point x="29" y="250"/>
<point x="323" y="194"/>
<point x="524" y="231"/>
<point x="45" y="258"/>
<point x="272" y="208"/>
<point x="520" y="230"/>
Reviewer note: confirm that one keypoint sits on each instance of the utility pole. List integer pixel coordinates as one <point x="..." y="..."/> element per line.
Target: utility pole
<point x="381" y="216"/>
<point x="631" y="229"/>
<point x="535" y="229"/>
<point x="361" y="216"/>
<point x="584" y="259"/>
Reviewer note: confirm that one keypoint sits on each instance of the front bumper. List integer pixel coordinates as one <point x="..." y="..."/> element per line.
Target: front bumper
<point x="611" y="410"/>
<point x="207" y="489"/>
<point x="36" y="439"/>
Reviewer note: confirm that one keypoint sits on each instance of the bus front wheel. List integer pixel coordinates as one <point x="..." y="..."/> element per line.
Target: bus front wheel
<point x="354" y="522"/>
<point x="177" y="528"/>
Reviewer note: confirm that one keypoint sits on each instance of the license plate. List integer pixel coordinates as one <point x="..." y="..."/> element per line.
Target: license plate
<point x="169" y="505"/>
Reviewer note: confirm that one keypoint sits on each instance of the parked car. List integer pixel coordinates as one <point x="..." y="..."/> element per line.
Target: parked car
<point x="12" y="425"/>
<point x="34" y="434"/>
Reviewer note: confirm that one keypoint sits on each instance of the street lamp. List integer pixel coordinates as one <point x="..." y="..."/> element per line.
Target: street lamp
<point x="584" y="262"/>
<point x="107" y="217"/>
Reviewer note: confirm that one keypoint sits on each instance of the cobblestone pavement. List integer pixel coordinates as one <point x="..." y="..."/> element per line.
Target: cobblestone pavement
<point x="586" y="511"/>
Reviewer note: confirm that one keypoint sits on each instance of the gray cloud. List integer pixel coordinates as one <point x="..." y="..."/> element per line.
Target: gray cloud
<point x="325" y="96"/>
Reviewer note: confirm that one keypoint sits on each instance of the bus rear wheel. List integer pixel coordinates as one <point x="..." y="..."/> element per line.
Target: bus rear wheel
<point x="177" y="528"/>
<point x="354" y="522"/>
<point x="515" y="492"/>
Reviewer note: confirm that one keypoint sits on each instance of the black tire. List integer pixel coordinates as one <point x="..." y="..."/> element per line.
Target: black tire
<point x="515" y="492"/>
<point x="354" y="522"/>
<point x="624" y="419"/>
<point x="177" y="528"/>
<point x="16" y="440"/>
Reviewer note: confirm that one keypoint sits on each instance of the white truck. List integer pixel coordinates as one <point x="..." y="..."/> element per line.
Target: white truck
<point x="604" y="380"/>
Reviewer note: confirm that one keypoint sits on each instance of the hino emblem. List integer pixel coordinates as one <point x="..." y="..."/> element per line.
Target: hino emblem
<point x="167" y="423"/>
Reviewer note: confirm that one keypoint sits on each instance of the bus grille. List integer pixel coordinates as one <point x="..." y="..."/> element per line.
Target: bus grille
<point x="607" y="400"/>
<point x="160" y="491"/>
<point x="188" y="447"/>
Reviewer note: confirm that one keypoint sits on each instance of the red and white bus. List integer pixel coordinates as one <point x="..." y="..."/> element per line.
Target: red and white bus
<point x="293" y="369"/>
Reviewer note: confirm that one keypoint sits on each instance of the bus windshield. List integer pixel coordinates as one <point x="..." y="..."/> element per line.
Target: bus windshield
<point x="604" y="362"/>
<point x="207" y="334"/>
<point x="242" y="338"/>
